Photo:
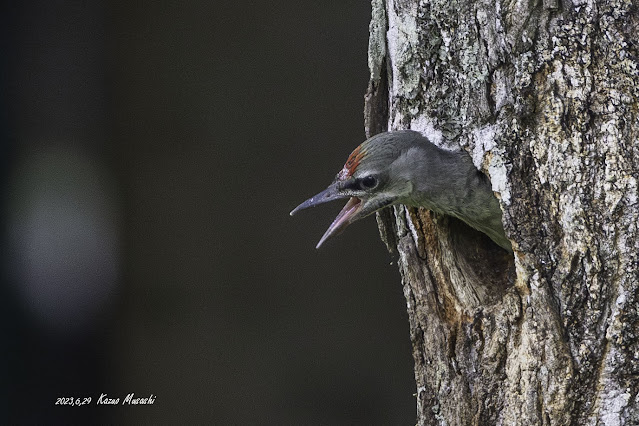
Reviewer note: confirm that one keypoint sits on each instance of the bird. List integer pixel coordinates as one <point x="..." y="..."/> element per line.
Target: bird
<point x="405" y="167"/>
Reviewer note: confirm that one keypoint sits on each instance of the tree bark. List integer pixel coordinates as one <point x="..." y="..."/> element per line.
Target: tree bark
<point x="544" y="95"/>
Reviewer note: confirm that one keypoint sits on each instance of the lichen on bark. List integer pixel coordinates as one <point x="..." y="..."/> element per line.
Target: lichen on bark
<point x="545" y="97"/>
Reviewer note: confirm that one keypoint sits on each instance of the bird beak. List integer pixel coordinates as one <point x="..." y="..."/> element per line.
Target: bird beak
<point x="345" y="217"/>
<point x="329" y="194"/>
<point x="348" y="215"/>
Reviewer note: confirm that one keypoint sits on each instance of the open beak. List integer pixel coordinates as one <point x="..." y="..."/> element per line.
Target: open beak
<point x="345" y="217"/>
<point x="329" y="194"/>
<point x="348" y="215"/>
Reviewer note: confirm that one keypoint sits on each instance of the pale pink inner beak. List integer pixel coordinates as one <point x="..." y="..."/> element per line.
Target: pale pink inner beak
<point x="342" y="220"/>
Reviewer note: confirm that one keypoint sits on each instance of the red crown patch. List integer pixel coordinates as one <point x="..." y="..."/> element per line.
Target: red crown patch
<point x="351" y="164"/>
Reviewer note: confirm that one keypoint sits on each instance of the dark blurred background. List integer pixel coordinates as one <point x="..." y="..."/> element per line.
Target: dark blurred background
<point x="151" y="154"/>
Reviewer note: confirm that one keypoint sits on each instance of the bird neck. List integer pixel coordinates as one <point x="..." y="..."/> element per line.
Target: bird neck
<point x="448" y="183"/>
<point x="443" y="181"/>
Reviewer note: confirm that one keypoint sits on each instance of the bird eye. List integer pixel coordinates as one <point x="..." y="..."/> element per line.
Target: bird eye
<point x="368" y="182"/>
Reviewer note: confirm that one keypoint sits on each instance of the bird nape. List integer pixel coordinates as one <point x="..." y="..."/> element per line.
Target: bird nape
<point x="404" y="167"/>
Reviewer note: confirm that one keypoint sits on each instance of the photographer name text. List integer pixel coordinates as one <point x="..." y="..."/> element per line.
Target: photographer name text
<point x="105" y="399"/>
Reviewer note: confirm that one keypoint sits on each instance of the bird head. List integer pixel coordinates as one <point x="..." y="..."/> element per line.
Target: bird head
<point x="371" y="179"/>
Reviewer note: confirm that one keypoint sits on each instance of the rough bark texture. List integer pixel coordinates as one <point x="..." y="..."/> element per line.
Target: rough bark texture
<point x="545" y="97"/>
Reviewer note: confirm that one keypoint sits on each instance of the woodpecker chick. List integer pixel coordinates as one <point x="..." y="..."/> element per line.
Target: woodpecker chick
<point x="404" y="167"/>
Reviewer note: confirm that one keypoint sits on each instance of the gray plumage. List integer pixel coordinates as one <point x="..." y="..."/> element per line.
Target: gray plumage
<point x="404" y="167"/>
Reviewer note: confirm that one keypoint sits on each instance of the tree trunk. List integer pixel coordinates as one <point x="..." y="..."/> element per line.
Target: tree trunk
<point x="544" y="95"/>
